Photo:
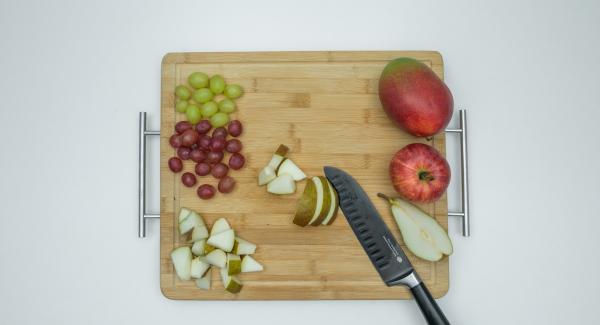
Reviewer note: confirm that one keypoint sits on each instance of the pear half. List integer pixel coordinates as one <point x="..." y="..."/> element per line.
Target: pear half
<point x="217" y="258"/>
<point x="288" y="167"/>
<point x="249" y="264"/>
<point x="223" y="240"/>
<point x="199" y="267"/>
<point x="334" y="207"/>
<point x="182" y="261"/>
<point x="234" y="264"/>
<point x="204" y="282"/>
<point x="243" y="247"/>
<point x="220" y="225"/>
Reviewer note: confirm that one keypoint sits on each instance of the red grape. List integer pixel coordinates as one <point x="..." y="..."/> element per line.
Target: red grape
<point x="204" y="142"/>
<point x="233" y="145"/>
<point x="175" y="141"/>
<point x="236" y="161"/>
<point x="203" y="126"/>
<point x="214" y="157"/>
<point x="226" y="184"/>
<point x="220" y="131"/>
<point x="197" y="155"/>
<point x="188" y="179"/>
<point x="189" y="137"/>
<point x="175" y="164"/>
<point x="219" y="170"/>
<point x="181" y="126"/>
<point x="206" y="191"/>
<point x="202" y="169"/>
<point x="217" y="143"/>
<point x="235" y="128"/>
<point x="184" y="153"/>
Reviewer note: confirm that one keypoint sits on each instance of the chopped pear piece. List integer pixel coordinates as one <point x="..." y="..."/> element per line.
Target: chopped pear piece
<point x="288" y="167"/>
<point x="217" y="258"/>
<point x="191" y="221"/>
<point x="219" y="226"/>
<point x="198" y="247"/>
<point x="333" y="208"/>
<point x="199" y="267"/>
<point x="204" y="282"/>
<point x="234" y="264"/>
<point x="199" y="233"/>
<point x="266" y="175"/>
<point x="249" y="264"/>
<point x="278" y="156"/>
<point x="323" y="193"/>
<point x="243" y="247"/>
<point x="223" y="240"/>
<point x="281" y="185"/>
<point x="182" y="261"/>
<point x="231" y="283"/>
<point x="183" y="213"/>
<point x="208" y="248"/>
<point x="307" y="205"/>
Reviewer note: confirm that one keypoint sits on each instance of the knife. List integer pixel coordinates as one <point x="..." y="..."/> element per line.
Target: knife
<point x="379" y="243"/>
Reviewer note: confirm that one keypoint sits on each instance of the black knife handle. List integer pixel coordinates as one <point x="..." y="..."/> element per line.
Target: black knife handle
<point x="432" y="313"/>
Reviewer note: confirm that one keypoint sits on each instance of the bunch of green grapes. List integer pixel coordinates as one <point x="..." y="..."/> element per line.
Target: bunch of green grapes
<point x="201" y="100"/>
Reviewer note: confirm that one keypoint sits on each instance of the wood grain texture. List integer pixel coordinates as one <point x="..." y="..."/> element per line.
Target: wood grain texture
<point x="324" y="106"/>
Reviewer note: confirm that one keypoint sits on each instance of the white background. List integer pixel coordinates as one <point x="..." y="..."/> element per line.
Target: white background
<point x="75" y="74"/>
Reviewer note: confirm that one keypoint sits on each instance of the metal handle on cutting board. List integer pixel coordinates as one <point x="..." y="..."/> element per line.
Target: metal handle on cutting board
<point x="462" y="130"/>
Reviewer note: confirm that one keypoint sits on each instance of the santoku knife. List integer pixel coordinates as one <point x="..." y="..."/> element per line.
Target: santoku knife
<point x="379" y="243"/>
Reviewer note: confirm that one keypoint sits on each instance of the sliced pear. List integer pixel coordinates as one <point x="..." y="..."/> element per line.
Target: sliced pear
<point x="223" y="240"/>
<point x="231" y="283"/>
<point x="249" y="264"/>
<point x="183" y="213"/>
<point x="333" y="208"/>
<point x="199" y="233"/>
<point x="288" y="167"/>
<point x="199" y="267"/>
<point x="422" y="234"/>
<point x="278" y="156"/>
<point x="182" y="261"/>
<point x="266" y="175"/>
<point x="208" y="248"/>
<point x="204" y="282"/>
<point x="198" y="248"/>
<point x="243" y="247"/>
<point x="234" y="264"/>
<point x="219" y="226"/>
<point x="307" y="205"/>
<point x="282" y="185"/>
<point x="190" y="222"/>
<point x="217" y="258"/>
<point x="324" y="197"/>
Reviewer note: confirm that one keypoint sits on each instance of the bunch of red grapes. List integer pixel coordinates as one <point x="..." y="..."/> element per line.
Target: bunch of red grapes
<point x="207" y="149"/>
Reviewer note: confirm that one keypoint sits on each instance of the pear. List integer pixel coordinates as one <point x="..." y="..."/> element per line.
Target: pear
<point x="249" y="264"/>
<point x="266" y="175"/>
<point x="199" y="233"/>
<point x="198" y="248"/>
<point x="198" y="267"/>
<point x="217" y="258"/>
<point x="278" y="156"/>
<point x="243" y="247"/>
<point x="223" y="240"/>
<point x="183" y="213"/>
<point x="333" y="208"/>
<point x="283" y="184"/>
<point x="182" y="261"/>
<point x="231" y="283"/>
<point x="422" y="234"/>
<point x="288" y="167"/>
<point x="208" y="248"/>
<point x="307" y="205"/>
<point x="219" y="226"/>
<point x="204" y="282"/>
<point x="192" y="220"/>
<point x="234" y="264"/>
<point x="323" y="200"/>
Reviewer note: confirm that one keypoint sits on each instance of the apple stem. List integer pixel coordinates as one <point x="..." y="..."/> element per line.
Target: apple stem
<point x="425" y="176"/>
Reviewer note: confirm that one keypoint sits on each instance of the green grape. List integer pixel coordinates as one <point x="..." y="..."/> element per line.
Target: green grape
<point x="217" y="84"/>
<point x="219" y="119"/>
<point x="193" y="114"/>
<point x="202" y="95"/>
<point x="182" y="92"/>
<point x="198" y="80"/>
<point x="209" y="109"/>
<point x="181" y="106"/>
<point x="227" y="106"/>
<point x="233" y="91"/>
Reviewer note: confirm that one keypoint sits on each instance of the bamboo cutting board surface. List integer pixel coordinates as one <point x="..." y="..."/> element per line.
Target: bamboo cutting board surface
<point x="325" y="107"/>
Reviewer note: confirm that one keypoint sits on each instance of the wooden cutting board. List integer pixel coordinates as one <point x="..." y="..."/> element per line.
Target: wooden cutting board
<point x="324" y="106"/>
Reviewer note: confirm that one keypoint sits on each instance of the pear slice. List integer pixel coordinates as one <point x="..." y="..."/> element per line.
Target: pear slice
<point x="307" y="205"/>
<point x="234" y="264"/>
<point x="192" y="220"/>
<point x="217" y="258"/>
<point x="249" y="264"/>
<point x="323" y="200"/>
<point x="208" y="248"/>
<point x="278" y="156"/>
<point x="204" y="282"/>
<point x="199" y="233"/>
<point x="333" y="208"/>
<point x="243" y="247"/>
<point x="198" y="267"/>
<point x="198" y="248"/>
<point x="182" y="261"/>
<point x="219" y="226"/>
<point x="231" y="283"/>
<point x="183" y="213"/>
<point x="266" y="175"/>
<point x="283" y="184"/>
<point x="223" y="240"/>
<point x="422" y="234"/>
<point x="288" y="167"/>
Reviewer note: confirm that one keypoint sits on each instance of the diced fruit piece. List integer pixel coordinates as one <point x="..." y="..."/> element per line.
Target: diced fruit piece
<point x="198" y="248"/>
<point x="323" y="199"/>
<point x="288" y="167"/>
<point x="182" y="261"/>
<point x="219" y="226"/>
<point x="233" y="91"/>
<point x="266" y="175"/>
<point x="249" y="264"/>
<point x="307" y="205"/>
<point x="243" y="247"/>
<point x="193" y="220"/>
<point x="281" y="185"/>
<point x="333" y="209"/>
<point x="198" y="80"/>
<point x="202" y="95"/>
<point x="422" y="234"/>
<point x="234" y="264"/>
<point x="217" y="258"/>
<point x="278" y="156"/>
<point x="183" y="213"/>
<point x="223" y="240"/>
<point x="219" y="119"/>
<point x="199" y="232"/>
<point x="217" y="84"/>
<point x="199" y="267"/>
<point x="231" y="283"/>
<point x="208" y="248"/>
<point x="204" y="282"/>
<point x="182" y="92"/>
<point x="226" y="184"/>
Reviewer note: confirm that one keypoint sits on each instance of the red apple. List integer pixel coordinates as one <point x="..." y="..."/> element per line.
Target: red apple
<point x="419" y="173"/>
<point x="415" y="97"/>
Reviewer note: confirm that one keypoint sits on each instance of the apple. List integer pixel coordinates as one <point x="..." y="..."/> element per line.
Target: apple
<point x="419" y="173"/>
<point x="415" y="97"/>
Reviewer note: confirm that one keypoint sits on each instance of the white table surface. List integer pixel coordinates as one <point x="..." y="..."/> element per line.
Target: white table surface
<point x="75" y="74"/>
